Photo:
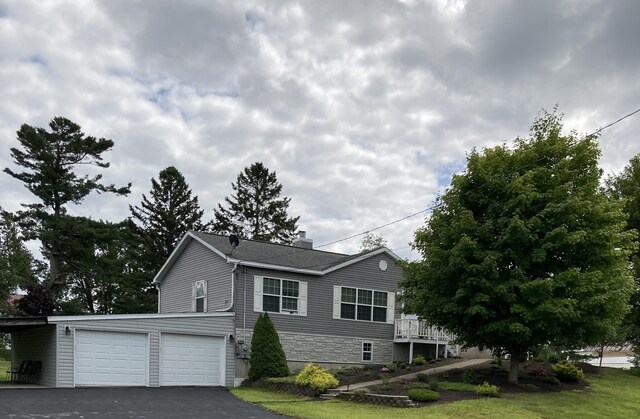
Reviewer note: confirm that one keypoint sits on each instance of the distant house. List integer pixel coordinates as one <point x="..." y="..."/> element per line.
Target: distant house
<point x="328" y="308"/>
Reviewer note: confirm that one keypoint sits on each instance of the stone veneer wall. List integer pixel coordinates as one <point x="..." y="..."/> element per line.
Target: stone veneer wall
<point x="328" y="349"/>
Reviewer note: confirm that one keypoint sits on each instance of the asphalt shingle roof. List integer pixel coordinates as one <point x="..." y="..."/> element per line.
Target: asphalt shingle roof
<point x="275" y="254"/>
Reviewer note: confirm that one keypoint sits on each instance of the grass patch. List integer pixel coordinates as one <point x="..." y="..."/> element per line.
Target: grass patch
<point x="614" y="394"/>
<point x="4" y="364"/>
<point x="453" y="386"/>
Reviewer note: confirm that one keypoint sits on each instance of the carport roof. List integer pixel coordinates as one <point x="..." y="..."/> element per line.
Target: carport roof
<point x="16" y="324"/>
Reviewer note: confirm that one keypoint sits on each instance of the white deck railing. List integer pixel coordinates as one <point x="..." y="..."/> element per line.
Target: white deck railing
<point x="419" y="329"/>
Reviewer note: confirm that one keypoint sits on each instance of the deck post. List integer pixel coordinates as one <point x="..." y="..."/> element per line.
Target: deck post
<point x="437" y="348"/>
<point x="410" y="352"/>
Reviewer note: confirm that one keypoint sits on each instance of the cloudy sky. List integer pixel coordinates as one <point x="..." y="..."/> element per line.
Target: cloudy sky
<point x="363" y="108"/>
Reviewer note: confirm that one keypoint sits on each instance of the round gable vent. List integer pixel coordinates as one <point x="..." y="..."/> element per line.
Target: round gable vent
<point x="383" y="265"/>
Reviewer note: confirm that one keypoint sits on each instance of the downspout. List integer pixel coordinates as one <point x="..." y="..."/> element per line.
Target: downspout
<point x="157" y="284"/>
<point x="233" y="275"/>
<point x="244" y="306"/>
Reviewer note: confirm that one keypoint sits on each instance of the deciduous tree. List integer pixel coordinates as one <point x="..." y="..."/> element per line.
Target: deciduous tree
<point x="525" y="249"/>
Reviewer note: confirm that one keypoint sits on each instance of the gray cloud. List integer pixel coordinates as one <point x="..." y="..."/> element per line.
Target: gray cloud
<point x="363" y="108"/>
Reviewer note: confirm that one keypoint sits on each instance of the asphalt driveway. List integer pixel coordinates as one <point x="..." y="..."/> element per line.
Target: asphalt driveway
<point x="150" y="403"/>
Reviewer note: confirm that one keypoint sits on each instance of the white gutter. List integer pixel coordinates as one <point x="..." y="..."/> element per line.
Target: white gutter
<point x="276" y="267"/>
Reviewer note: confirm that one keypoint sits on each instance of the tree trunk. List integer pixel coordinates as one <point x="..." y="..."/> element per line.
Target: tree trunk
<point x="513" y="369"/>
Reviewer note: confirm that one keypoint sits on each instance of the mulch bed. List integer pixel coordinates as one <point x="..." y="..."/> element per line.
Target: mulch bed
<point x="493" y="375"/>
<point x="359" y="374"/>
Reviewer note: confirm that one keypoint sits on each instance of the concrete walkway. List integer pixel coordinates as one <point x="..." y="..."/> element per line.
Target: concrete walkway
<point x="431" y="371"/>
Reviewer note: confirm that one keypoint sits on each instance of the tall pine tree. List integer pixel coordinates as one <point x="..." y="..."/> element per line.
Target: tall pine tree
<point x="169" y="213"/>
<point x="159" y="223"/>
<point x="49" y="160"/>
<point x="256" y="210"/>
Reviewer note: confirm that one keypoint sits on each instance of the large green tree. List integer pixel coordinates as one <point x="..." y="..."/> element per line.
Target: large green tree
<point x="256" y="210"/>
<point x="525" y="249"/>
<point x="170" y="212"/>
<point x="16" y="262"/>
<point x="50" y="160"/>
<point x="157" y="225"/>
<point x="625" y="187"/>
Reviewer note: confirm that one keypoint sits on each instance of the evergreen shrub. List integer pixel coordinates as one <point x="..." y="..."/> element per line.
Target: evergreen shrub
<point x="567" y="372"/>
<point x="316" y="377"/>
<point x="423" y="395"/>
<point x="267" y="358"/>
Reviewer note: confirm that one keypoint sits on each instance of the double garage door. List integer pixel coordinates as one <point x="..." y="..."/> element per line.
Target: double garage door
<point x="105" y="358"/>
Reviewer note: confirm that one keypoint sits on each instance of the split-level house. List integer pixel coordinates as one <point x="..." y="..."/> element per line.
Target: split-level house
<point x="328" y="308"/>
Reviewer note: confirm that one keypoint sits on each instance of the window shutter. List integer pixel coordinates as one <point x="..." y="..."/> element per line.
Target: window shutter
<point x="205" y="296"/>
<point x="302" y="298"/>
<point x="257" y="294"/>
<point x="193" y="297"/>
<point x="337" y="295"/>
<point x="391" y="307"/>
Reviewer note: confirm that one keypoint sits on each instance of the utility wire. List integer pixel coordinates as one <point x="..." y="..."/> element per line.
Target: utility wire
<point x="614" y="122"/>
<point x="433" y="206"/>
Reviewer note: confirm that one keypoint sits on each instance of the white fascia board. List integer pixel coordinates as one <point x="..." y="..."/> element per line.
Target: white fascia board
<point x="179" y="248"/>
<point x="275" y="267"/>
<point x="92" y="317"/>
<point x="361" y="258"/>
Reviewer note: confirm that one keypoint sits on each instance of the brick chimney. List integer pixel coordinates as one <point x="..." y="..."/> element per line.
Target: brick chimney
<point x="302" y="240"/>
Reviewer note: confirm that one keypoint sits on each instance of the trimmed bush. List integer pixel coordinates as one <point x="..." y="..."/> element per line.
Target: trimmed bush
<point x="567" y="372"/>
<point x="551" y="380"/>
<point x="267" y="358"/>
<point x="487" y="390"/>
<point x="422" y="377"/>
<point x="419" y="385"/>
<point x="316" y="377"/>
<point x="423" y="395"/>
<point x="469" y="376"/>
<point x="419" y="360"/>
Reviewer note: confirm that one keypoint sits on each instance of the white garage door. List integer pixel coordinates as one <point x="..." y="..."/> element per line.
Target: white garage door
<point x="187" y="360"/>
<point x="111" y="358"/>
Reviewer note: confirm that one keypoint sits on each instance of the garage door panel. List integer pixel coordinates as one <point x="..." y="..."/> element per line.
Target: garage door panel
<point x="191" y="360"/>
<point x="111" y="358"/>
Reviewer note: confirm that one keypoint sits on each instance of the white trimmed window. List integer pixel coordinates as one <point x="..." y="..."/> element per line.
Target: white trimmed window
<point x="277" y="295"/>
<point x="199" y="296"/>
<point x="363" y="304"/>
<point x="367" y="351"/>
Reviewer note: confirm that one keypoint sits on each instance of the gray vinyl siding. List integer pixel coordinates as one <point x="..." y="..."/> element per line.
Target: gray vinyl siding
<point x="37" y="345"/>
<point x="319" y="319"/>
<point x="220" y="326"/>
<point x="196" y="263"/>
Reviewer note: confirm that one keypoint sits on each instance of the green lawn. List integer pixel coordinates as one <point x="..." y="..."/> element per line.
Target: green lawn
<point x="616" y="394"/>
<point x="3" y="368"/>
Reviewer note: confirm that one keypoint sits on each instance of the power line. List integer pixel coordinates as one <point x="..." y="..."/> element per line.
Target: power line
<point x="433" y="206"/>
<point x="614" y="122"/>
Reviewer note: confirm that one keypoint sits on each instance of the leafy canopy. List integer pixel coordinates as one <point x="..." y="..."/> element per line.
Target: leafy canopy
<point x="256" y="210"/>
<point x="625" y="187"/>
<point x="525" y="249"/>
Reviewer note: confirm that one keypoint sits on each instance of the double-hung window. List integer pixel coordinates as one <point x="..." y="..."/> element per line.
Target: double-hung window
<point x="363" y="304"/>
<point x="277" y="295"/>
<point x="199" y="294"/>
